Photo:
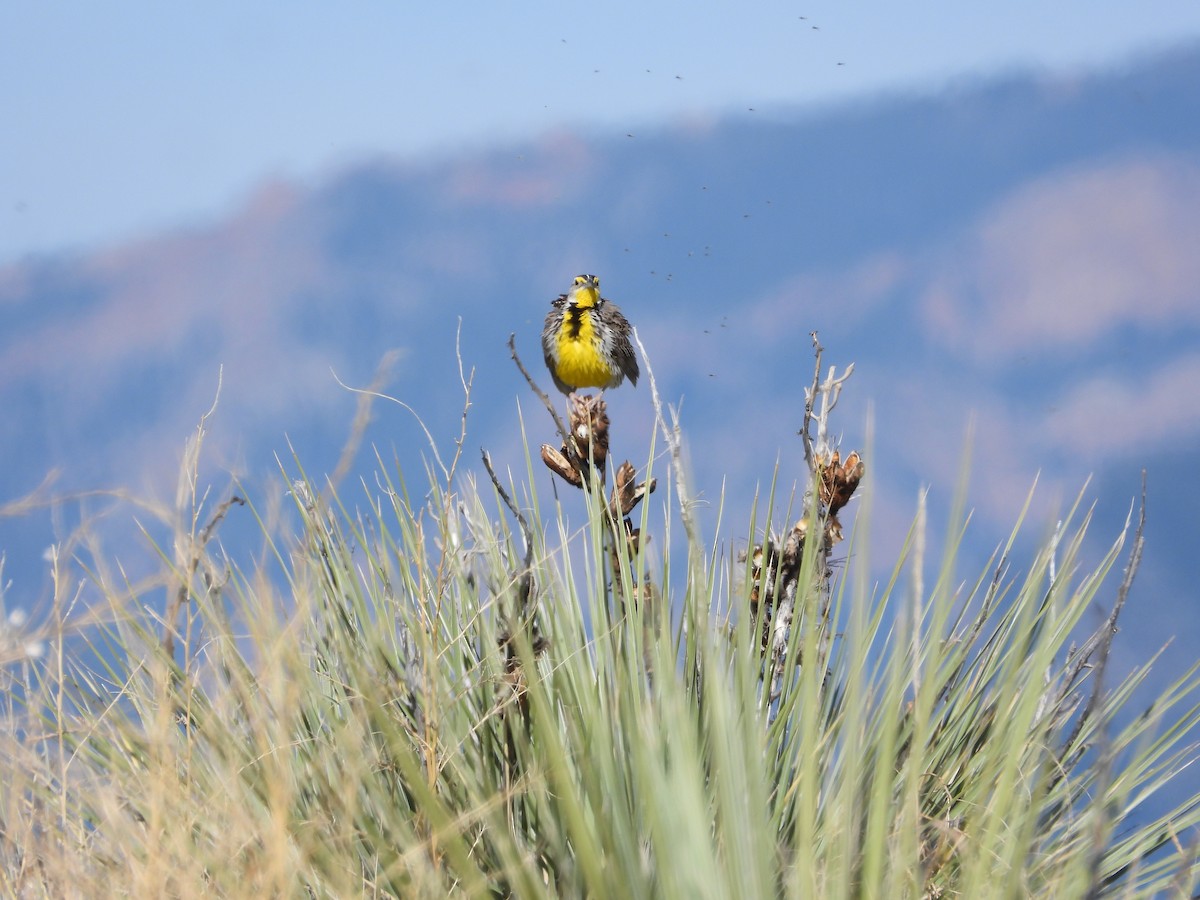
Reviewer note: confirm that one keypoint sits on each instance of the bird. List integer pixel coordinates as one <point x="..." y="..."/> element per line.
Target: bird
<point x="585" y="340"/>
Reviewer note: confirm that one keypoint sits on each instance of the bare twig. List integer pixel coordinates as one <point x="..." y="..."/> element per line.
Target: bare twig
<point x="362" y="418"/>
<point x="775" y="575"/>
<point x="810" y="399"/>
<point x="673" y="435"/>
<point x="525" y="579"/>
<point x="466" y="381"/>
<point x="558" y="422"/>
<point x="831" y="392"/>
<point x="433" y="447"/>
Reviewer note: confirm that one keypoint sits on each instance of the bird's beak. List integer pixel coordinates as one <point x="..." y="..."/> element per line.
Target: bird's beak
<point x="590" y="283"/>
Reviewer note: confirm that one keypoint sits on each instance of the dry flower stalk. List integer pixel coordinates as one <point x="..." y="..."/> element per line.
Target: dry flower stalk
<point x="775" y="565"/>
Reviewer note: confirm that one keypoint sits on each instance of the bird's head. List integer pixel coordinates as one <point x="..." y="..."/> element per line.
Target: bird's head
<point x="585" y="293"/>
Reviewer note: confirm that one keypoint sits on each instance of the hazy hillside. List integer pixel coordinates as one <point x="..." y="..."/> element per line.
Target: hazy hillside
<point x="1022" y="250"/>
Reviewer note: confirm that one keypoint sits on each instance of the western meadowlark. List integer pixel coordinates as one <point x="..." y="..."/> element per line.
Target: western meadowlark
<point x="586" y="340"/>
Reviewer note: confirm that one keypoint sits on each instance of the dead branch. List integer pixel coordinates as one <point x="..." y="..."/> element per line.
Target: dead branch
<point x="524" y="580"/>
<point x="541" y="395"/>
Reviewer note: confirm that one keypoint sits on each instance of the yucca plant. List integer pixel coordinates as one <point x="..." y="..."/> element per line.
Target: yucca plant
<point x="452" y="692"/>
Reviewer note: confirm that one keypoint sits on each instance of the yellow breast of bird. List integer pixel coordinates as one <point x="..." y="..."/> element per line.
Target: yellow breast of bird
<point x="581" y="361"/>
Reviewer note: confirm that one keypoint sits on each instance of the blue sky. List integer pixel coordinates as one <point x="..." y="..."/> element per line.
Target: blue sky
<point x="121" y="120"/>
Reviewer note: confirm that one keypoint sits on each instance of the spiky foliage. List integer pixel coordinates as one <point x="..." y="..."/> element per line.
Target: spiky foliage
<point x="426" y="695"/>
